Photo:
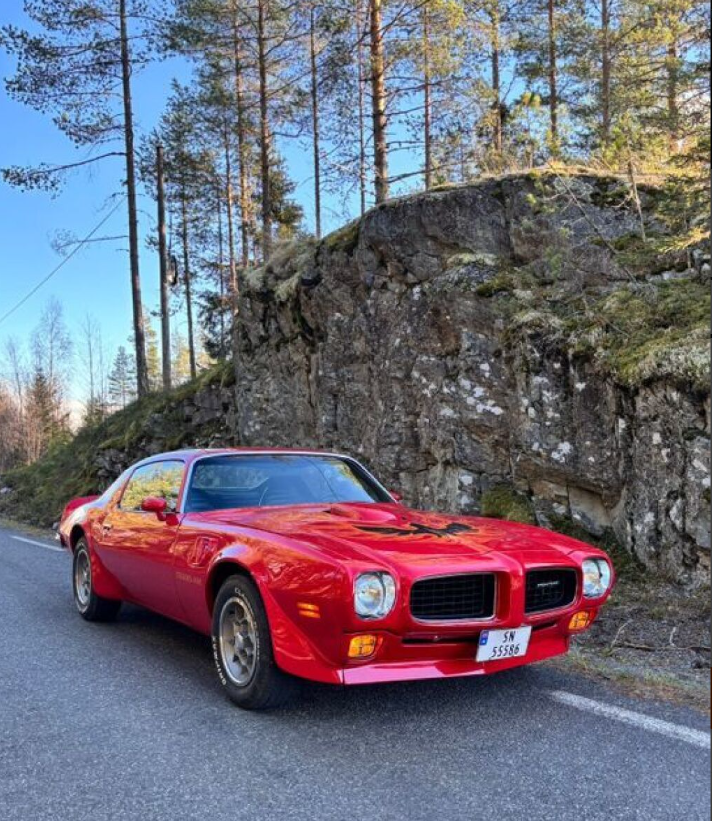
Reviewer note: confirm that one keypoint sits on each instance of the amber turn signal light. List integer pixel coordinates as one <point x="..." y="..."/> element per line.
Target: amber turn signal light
<point x="361" y="647"/>
<point x="580" y="620"/>
<point x="308" y="611"/>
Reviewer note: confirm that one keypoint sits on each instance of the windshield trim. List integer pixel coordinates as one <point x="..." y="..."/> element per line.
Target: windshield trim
<point x="180" y="509"/>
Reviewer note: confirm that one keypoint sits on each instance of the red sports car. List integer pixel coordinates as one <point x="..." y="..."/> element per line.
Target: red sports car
<point x="301" y="564"/>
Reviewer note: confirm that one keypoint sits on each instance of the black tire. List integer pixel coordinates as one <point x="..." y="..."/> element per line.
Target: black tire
<point x="266" y="686"/>
<point x="90" y="606"/>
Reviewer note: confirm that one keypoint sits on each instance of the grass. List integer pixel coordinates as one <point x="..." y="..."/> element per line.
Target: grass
<point x="501" y="283"/>
<point x="638" y="682"/>
<point x="23" y="527"/>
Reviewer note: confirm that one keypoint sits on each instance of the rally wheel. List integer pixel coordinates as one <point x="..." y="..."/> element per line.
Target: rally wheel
<point x="242" y="649"/>
<point x="90" y="606"/>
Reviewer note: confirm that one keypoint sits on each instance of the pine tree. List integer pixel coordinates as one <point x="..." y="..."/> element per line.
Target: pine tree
<point x="153" y="356"/>
<point x="550" y="35"/>
<point x="49" y="422"/>
<point x="180" y="358"/>
<point x="246" y="51"/>
<point x="435" y="54"/>
<point x="121" y="380"/>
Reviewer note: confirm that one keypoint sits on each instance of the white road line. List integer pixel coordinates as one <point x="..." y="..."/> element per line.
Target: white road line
<point x="38" y="544"/>
<point x="654" y="725"/>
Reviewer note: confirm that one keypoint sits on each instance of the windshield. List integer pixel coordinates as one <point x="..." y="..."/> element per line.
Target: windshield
<point x="226" y="482"/>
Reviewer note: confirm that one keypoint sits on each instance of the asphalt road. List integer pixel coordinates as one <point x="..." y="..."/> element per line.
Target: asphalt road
<point x="128" y="721"/>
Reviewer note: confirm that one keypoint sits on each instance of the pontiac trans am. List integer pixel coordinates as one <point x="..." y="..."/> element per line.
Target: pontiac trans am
<point x="301" y="565"/>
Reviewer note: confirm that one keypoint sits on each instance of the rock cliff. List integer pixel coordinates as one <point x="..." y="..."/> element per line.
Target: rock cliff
<point x="511" y="343"/>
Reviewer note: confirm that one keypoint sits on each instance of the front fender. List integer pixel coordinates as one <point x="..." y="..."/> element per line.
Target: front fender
<point x="299" y="649"/>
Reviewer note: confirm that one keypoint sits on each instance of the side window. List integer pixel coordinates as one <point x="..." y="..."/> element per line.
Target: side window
<point x="159" y="479"/>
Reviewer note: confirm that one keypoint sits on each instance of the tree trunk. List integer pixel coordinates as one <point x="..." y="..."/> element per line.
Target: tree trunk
<point x="361" y="106"/>
<point x="245" y="205"/>
<point x="221" y="275"/>
<point x="315" y="117"/>
<point x="231" y="248"/>
<point x="139" y="331"/>
<point x="378" y="95"/>
<point x="163" y="267"/>
<point x="427" y="101"/>
<point x="605" y="72"/>
<point x="553" y="81"/>
<point x="672" y="93"/>
<point x="636" y="197"/>
<point x="265" y="132"/>
<point x="188" y="284"/>
<point x="497" y="139"/>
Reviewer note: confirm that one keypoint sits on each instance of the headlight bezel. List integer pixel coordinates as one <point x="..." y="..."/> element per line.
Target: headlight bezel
<point x="381" y="581"/>
<point x="600" y="569"/>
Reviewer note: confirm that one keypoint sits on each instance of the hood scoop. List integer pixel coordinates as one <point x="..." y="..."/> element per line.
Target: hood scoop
<point x="365" y="513"/>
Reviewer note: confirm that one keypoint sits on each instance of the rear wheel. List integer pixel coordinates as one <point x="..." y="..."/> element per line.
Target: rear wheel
<point x="90" y="606"/>
<point x="242" y="648"/>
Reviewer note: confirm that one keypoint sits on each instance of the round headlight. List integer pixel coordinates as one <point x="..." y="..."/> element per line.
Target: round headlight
<point x="374" y="595"/>
<point x="596" y="578"/>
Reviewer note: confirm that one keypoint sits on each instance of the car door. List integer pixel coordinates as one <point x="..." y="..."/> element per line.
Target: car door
<point x="137" y="546"/>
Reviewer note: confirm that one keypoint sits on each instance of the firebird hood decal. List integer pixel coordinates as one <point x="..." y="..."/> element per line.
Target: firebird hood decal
<point x="418" y="529"/>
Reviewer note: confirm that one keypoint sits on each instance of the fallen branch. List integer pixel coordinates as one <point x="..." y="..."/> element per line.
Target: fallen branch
<point x="617" y="636"/>
<point x="647" y="648"/>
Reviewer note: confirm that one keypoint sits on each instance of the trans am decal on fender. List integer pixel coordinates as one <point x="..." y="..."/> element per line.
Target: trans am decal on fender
<point x="301" y="565"/>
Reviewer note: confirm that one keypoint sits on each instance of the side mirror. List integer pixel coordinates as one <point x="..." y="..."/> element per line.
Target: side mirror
<point x="152" y="504"/>
<point x="397" y="496"/>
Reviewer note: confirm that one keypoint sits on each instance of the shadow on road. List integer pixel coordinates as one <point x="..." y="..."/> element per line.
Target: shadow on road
<point x="185" y="655"/>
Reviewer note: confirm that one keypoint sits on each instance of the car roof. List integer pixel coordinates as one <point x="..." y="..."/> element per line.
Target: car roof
<point x="189" y="455"/>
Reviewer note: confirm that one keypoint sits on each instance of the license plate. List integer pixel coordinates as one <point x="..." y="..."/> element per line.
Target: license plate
<point x="503" y="644"/>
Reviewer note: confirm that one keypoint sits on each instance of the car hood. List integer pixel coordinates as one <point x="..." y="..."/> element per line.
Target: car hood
<point x="399" y="535"/>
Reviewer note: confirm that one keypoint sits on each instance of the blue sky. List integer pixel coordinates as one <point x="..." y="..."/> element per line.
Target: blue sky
<point x="95" y="281"/>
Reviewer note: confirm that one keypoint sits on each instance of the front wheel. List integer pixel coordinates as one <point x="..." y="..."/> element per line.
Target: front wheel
<point x="90" y="606"/>
<point x="242" y="648"/>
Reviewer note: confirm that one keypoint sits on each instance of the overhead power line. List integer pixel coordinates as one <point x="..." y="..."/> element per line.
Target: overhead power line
<point x="74" y="250"/>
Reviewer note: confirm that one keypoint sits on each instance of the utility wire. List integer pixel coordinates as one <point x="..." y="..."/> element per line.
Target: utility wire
<point x="74" y="250"/>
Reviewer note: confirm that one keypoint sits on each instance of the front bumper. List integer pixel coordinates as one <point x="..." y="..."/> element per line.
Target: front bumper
<point x="399" y="659"/>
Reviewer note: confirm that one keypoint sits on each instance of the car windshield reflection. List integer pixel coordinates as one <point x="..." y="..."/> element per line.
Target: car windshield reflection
<point x="227" y="482"/>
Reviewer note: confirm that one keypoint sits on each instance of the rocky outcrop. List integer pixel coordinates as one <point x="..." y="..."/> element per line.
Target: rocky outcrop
<point x="510" y="333"/>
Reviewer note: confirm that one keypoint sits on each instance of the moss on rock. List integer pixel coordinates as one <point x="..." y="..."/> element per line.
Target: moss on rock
<point x="344" y="239"/>
<point x="502" y="502"/>
<point x="640" y="333"/>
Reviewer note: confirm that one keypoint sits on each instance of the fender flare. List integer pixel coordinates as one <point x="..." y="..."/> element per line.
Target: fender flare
<point x="294" y="653"/>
